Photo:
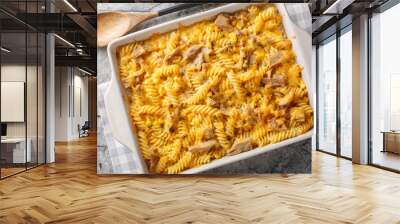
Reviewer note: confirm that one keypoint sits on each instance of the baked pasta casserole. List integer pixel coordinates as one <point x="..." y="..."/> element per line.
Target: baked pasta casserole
<point x="215" y="88"/>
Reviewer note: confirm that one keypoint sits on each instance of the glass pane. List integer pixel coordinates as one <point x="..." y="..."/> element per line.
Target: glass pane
<point x="327" y="97"/>
<point x="41" y="98"/>
<point x="13" y="87"/>
<point x="346" y="94"/>
<point x="31" y="98"/>
<point x="314" y="78"/>
<point x="32" y="89"/>
<point x="386" y="89"/>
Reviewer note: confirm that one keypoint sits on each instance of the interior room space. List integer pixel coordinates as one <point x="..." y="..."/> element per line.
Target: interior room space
<point x="22" y="100"/>
<point x="385" y="89"/>
<point x="75" y="83"/>
<point x="74" y="87"/>
<point x="337" y="89"/>
<point x="48" y="81"/>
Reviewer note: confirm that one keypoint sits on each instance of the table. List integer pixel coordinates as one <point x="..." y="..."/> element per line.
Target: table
<point x="17" y="150"/>
<point x="391" y="141"/>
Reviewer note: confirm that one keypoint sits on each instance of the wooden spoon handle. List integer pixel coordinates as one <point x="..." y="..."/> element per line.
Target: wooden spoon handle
<point x="138" y="17"/>
<point x="112" y="25"/>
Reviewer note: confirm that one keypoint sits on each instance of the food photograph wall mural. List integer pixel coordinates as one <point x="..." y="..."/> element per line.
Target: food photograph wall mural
<point x="187" y="88"/>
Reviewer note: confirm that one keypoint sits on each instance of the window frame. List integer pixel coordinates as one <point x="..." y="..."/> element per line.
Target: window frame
<point x="26" y="30"/>
<point x="334" y="37"/>
<point x="378" y="10"/>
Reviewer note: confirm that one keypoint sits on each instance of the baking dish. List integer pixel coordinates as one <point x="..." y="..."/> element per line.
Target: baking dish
<point x="117" y="108"/>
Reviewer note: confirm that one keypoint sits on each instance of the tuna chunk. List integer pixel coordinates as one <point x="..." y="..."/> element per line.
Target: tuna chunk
<point x="278" y="80"/>
<point x="175" y="52"/>
<point x="222" y="22"/>
<point x="191" y="52"/>
<point x="276" y="58"/>
<point x="198" y="60"/>
<point x="203" y="147"/>
<point x="240" y="146"/>
<point x="138" y="51"/>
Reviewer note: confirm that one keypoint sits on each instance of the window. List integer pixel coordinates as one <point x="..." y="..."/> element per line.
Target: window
<point x="327" y="96"/>
<point x="22" y="77"/>
<point x="346" y="93"/>
<point x="385" y="89"/>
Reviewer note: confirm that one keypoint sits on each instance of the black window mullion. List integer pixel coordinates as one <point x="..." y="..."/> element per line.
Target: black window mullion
<point x="338" y="74"/>
<point x="317" y="95"/>
<point x="37" y="90"/>
<point x="26" y="88"/>
<point x="45" y="93"/>
<point x="369" y="96"/>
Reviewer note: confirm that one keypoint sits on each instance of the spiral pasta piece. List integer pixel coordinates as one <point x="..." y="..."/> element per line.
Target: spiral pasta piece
<point x="181" y="164"/>
<point x="203" y="109"/>
<point x="167" y="70"/>
<point x="259" y="132"/>
<point x="200" y="160"/>
<point x="144" y="145"/>
<point x="269" y="13"/>
<point x="221" y="135"/>
<point x="151" y="91"/>
<point x="149" y="109"/>
<point x="236" y="85"/>
<point x="137" y="120"/>
<point x="158" y="137"/>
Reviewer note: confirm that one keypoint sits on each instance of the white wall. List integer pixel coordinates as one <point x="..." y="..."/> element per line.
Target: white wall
<point x="71" y="94"/>
<point x="33" y="127"/>
<point x="81" y="94"/>
<point x="12" y="73"/>
<point x="62" y="81"/>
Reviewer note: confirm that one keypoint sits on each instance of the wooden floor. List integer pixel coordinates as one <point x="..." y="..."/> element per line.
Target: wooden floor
<point x="387" y="159"/>
<point x="69" y="191"/>
<point x="10" y="171"/>
<point x="5" y="172"/>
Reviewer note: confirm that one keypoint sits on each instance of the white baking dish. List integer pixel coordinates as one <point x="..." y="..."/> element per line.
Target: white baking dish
<point x="117" y="109"/>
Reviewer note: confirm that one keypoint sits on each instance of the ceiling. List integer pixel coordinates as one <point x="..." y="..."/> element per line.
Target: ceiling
<point x="19" y="54"/>
<point x="72" y="20"/>
<point x="326" y="21"/>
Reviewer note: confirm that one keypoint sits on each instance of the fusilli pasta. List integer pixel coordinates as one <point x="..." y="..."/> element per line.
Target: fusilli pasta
<point x="201" y="92"/>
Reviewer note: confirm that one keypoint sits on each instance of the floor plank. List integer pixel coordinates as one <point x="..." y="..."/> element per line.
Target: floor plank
<point x="70" y="191"/>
